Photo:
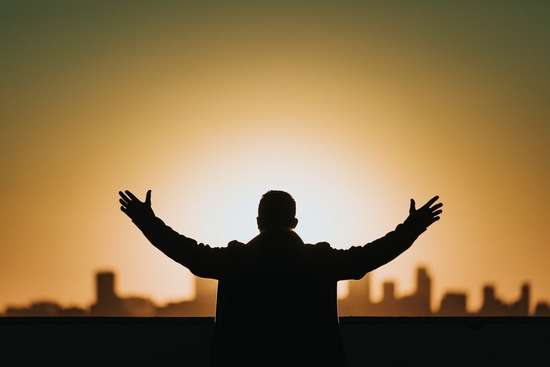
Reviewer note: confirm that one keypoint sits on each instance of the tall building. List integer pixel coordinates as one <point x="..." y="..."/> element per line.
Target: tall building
<point x="105" y="287"/>
<point x="423" y="291"/>
<point x="521" y="306"/>
<point x="107" y="302"/>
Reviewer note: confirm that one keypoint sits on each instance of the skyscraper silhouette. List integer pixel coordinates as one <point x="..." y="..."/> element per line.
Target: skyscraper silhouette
<point x="423" y="292"/>
<point x="107" y="301"/>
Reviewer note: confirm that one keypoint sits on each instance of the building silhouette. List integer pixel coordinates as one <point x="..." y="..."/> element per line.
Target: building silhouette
<point x="453" y="304"/>
<point x="542" y="309"/>
<point x="493" y="306"/>
<point x="107" y="302"/>
<point x="357" y="303"/>
<point x="44" y="308"/>
<point x="418" y="303"/>
<point x="204" y="303"/>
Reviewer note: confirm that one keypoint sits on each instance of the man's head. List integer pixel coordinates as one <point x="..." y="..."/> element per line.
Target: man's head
<point x="277" y="210"/>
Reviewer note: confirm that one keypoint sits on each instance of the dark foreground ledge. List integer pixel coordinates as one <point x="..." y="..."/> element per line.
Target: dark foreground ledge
<point x="375" y="341"/>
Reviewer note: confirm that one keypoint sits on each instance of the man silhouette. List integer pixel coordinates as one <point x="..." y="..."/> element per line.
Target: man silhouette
<point x="276" y="302"/>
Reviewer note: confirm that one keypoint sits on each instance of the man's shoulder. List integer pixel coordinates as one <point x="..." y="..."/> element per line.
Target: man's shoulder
<point x="319" y="246"/>
<point x="235" y="245"/>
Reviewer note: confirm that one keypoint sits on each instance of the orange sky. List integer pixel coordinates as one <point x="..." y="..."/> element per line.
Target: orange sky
<point x="353" y="110"/>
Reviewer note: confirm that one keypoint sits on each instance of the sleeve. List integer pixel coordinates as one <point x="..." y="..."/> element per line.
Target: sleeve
<point x="355" y="262"/>
<point x="202" y="260"/>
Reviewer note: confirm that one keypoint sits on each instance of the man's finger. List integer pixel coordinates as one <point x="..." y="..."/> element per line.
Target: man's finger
<point x="123" y="209"/>
<point x="124" y="197"/>
<point x="132" y="196"/>
<point x="437" y="212"/>
<point x="430" y="202"/>
<point x="148" y="197"/>
<point x="412" y="207"/>
<point x="436" y="206"/>
<point x="123" y="203"/>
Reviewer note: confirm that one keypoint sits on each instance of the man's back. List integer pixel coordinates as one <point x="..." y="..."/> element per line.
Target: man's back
<point x="277" y="304"/>
<point x="276" y="295"/>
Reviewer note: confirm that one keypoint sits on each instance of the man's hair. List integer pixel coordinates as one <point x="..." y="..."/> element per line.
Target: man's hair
<point x="276" y="209"/>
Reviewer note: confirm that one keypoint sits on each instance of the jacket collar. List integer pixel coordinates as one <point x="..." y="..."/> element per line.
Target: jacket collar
<point x="278" y="236"/>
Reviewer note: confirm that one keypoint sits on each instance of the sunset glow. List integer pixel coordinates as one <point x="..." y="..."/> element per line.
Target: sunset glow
<point x="349" y="110"/>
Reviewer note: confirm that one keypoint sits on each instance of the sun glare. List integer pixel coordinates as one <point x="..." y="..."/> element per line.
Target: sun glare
<point x="314" y="170"/>
<point x="336" y="201"/>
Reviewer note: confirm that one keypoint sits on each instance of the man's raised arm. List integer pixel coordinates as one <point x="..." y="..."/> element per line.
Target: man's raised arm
<point x="355" y="262"/>
<point x="201" y="260"/>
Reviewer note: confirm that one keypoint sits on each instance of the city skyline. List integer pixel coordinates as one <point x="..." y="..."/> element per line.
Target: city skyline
<point x="357" y="302"/>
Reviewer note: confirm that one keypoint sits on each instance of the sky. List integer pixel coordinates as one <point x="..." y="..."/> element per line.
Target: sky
<point x="352" y="107"/>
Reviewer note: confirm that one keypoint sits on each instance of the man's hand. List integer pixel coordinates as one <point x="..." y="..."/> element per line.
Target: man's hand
<point x="425" y="216"/>
<point x="133" y="207"/>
